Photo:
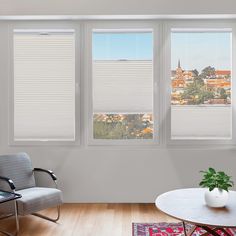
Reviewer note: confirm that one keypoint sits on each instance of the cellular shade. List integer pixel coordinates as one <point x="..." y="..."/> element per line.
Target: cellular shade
<point x="44" y="85"/>
<point x="122" y="86"/>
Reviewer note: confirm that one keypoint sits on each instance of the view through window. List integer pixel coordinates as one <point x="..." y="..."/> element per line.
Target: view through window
<point x="201" y="84"/>
<point x="122" y="85"/>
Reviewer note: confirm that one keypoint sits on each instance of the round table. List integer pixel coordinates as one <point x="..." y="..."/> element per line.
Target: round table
<point x="188" y="205"/>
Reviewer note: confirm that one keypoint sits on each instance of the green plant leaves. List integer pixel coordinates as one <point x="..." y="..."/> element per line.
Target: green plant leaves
<point x="212" y="179"/>
<point x="211" y="170"/>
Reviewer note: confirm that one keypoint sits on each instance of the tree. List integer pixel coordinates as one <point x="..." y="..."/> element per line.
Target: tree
<point x="199" y="81"/>
<point x="223" y="94"/>
<point x="197" y="78"/>
<point x="195" y="72"/>
<point x="196" y="93"/>
<point x="208" y="73"/>
<point x="122" y="126"/>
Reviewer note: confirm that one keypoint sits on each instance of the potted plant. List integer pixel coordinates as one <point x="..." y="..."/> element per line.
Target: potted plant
<point x="218" y="184"/>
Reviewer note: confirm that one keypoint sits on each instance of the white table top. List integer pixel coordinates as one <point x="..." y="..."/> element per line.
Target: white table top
<point x="189" y="205"/>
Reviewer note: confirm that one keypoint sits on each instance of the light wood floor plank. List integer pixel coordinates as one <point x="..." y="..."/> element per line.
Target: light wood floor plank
<point x="89" y="220"/>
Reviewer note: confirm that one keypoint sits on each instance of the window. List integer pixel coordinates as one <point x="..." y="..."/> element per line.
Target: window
<point x="44" y="85"/>
<point x="122" y="84"/>
<point x="201" y="105"/>
<point x="148" y="83"/>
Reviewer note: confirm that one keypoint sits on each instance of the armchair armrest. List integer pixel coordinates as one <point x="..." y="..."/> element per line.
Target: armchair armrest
<point x="9" y="181"/>
<point x="48" y="172"/>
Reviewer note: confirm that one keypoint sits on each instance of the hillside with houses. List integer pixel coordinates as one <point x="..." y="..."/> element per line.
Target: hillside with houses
<point x="209" y="86"/>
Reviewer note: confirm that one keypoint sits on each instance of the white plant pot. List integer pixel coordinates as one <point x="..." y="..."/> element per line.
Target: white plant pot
<point x="216" y="197"/>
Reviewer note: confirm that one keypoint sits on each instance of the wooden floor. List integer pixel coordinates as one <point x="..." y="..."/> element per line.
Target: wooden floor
<point x="89" y="220"/>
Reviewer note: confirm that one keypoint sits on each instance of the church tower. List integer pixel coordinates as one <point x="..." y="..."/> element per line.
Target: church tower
<point x="179" y="64"/>
<point x="179" y="71"/>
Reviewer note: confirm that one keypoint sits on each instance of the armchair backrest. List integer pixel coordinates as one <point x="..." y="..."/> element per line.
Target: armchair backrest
<point x="19" y="169"/>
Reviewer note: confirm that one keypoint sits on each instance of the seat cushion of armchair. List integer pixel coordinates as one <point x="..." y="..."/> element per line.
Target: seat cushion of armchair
<point x="37" y="198"/>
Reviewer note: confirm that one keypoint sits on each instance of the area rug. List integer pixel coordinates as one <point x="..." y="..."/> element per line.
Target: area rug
<point x="168" y="229"/>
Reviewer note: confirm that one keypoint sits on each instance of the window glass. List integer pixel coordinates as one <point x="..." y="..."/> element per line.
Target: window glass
<point x="201" y="84"/>
<point x="122" y="85"/>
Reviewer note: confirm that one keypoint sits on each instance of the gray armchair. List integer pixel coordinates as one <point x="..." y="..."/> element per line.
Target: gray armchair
<point x="16" y="173"/>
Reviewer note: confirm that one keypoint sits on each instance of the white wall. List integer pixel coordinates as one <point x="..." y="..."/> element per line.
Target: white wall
<point x="121" y="7"/>
<point x="105" y="175"/>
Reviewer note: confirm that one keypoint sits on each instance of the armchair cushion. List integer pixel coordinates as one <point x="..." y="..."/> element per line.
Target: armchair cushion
<point x="18" y="168"/>
<point x="37" y="198"/>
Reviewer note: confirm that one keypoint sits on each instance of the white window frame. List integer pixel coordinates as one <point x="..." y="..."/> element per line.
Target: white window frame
<point x="161" y="81"/>
<point x="50" y="26"/>
<point x="122" y="26"/>
<point x="203" y="25"/>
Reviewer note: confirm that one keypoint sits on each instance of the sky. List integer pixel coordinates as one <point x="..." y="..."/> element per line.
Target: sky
<point x="116" y="46"/>
<point x="199" y="50"/>
<point x="194" y="50"/>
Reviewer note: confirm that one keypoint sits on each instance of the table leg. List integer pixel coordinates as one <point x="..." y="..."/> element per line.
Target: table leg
<point x="184" y="226"/>
<point x="16" y="217"/>
<point x="224" y="231"/>
<point x="190" y="232"/>
<point x="209" y="230"/>
<point x="5" y="233"/>
<point x="205" y="234"/>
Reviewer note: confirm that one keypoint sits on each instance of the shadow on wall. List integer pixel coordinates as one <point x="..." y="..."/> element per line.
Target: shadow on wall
<point x="188" y="163"/>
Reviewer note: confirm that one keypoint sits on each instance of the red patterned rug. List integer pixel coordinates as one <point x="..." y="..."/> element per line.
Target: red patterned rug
<point x="168" y="229"/>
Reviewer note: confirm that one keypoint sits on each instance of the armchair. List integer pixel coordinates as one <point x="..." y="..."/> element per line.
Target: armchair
<point x="16" y="171"/>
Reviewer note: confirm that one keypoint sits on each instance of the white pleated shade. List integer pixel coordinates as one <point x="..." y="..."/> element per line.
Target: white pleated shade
<point x="44" y="86"/>
<point x="122" y="86"/>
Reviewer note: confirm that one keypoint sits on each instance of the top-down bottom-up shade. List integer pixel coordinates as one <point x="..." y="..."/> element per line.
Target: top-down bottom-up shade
<point x="122" y="86"/>
<point x="44" y="85"/>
